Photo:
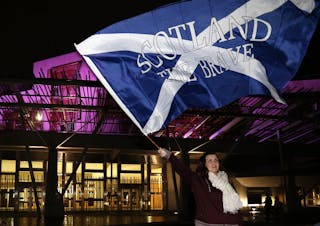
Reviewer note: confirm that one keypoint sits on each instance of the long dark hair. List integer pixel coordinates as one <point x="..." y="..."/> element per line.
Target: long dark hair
<point x="201" y="169"/>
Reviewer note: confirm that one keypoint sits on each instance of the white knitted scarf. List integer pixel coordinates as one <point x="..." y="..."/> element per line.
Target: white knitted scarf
<point x="230" y="198"/>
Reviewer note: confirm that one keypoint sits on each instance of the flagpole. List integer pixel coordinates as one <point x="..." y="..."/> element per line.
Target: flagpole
<point x="199" y="146"/>
<point x="152" y="141"/>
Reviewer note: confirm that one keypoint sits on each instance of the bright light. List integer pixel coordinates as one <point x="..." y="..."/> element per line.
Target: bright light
<point x="39" y="116"/>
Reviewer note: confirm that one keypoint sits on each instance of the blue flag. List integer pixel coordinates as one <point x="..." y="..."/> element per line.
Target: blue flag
<point x="200" y="54"/>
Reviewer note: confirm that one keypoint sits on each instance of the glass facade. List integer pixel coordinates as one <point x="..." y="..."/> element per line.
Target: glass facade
<point x="112" y="186"/>
<point x="96" y="186"/>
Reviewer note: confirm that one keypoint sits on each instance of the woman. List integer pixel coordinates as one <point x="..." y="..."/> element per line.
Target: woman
<point x="217" y="203"/>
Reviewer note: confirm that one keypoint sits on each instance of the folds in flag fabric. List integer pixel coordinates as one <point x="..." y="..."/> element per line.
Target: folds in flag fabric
<point x="200" y="54"/>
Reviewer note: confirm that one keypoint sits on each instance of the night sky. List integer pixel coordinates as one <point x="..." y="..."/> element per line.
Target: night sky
<point x="31" y="31"/>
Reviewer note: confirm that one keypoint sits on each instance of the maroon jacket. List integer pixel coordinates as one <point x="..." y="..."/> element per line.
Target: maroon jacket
<point x="209" y="206"/>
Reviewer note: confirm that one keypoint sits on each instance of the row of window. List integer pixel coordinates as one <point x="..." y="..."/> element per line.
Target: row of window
<point x="98" y="186"/>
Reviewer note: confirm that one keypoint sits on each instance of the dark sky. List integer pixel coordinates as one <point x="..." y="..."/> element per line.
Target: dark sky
<point x="32" y="31"/>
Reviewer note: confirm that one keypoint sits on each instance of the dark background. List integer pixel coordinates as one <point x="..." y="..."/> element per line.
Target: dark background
<point x="33" y="31"/>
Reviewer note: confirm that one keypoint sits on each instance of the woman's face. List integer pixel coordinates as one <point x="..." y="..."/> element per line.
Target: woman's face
<point x="212" y="163"/>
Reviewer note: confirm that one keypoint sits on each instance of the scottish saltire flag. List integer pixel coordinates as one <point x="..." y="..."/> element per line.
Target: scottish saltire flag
<point x="200" y="54"/>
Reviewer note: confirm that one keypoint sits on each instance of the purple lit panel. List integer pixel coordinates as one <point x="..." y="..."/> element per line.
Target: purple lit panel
<point x="307" y="85"/>
<point x="86" y="121"/>
<point x="40" y="68"/>
<point x="89" y="95"/>
<point x="248" y="101"/>
<point x="112" y="125"/>
<point x="38" y="94"/>
<point x="8" y="99"/>
<point x="45" y="120"/>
